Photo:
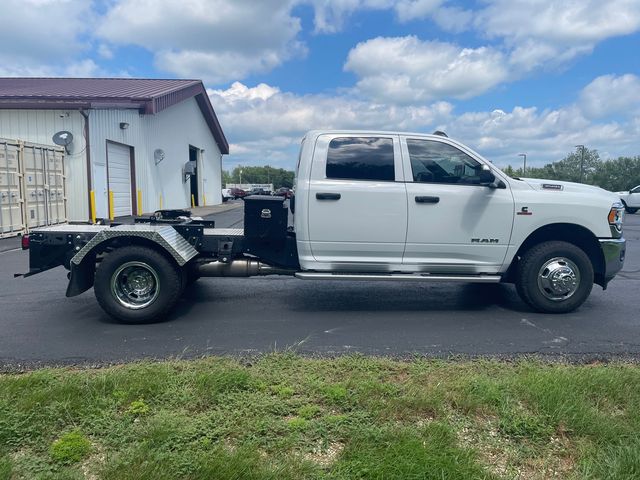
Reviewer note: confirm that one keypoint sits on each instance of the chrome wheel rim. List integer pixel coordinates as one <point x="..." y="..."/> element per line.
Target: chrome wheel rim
<point x="558" y="279"/>
<point x="135" y="285"/>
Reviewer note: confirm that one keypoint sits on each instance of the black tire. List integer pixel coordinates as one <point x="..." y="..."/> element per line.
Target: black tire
<point x="530" y="269"/>
<point x="166" y="277"/>
<point x="629" y="209"/>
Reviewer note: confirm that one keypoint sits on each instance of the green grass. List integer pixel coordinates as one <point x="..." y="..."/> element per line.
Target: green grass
<point x="287" y="417"/>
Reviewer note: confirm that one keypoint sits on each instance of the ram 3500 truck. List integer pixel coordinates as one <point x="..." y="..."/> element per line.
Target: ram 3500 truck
<point x="383" y="206"/>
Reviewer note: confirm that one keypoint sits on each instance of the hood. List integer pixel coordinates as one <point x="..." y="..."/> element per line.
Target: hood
<point x="559" y="186"/>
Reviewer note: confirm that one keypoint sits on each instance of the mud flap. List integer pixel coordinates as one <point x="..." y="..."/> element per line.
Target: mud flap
<point x="81" y="276"/>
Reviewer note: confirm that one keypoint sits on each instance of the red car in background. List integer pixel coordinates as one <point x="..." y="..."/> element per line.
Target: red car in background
<point x="237" y="193"/>
<point x="284" y="192"/>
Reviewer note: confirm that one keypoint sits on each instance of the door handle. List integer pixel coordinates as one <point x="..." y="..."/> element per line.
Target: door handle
<point x="427" y="199"/>
<point x="328" y="196"/>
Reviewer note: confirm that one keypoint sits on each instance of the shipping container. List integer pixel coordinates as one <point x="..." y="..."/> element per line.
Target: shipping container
<point x="32" y="186"/>
<point x="11" y="215"/>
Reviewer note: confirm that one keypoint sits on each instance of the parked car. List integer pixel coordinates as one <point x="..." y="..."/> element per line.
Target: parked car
<point x="631" y="199"/>
<point x="258" y="191"/>
<point x="226" y="194"/>
<point x="284" y="192"/>
<point x="237" y="193"/>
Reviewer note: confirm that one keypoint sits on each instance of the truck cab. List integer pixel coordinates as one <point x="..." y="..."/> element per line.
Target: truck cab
<point x="379" y="206"/>
<point x="394" y="203"/>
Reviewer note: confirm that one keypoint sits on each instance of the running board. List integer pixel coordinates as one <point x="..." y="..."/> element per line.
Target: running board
<point x="404" y="277"/>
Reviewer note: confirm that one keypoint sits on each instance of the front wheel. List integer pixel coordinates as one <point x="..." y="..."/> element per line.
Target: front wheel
<point x="137" y="284"/>
<point x="554" y="277"/>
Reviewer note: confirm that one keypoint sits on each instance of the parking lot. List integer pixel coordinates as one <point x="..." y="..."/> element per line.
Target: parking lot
<point x="39" y="325"/>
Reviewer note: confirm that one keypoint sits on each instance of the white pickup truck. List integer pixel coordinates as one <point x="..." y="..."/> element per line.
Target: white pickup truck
<point x="378" y="206"/>
<point x="630" y="199"/>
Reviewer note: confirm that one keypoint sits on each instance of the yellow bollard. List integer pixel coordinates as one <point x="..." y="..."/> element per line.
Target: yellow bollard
<point x="193" y="201"/>
<point x="111" y="208"/>
<point x="204" y="200"/>
<point x="140" y="202"/>
<point x="160" y="203"/>
<point x="92" y="205"/>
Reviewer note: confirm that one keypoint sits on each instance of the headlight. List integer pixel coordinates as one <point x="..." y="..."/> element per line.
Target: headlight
<point x="616" y="218"/>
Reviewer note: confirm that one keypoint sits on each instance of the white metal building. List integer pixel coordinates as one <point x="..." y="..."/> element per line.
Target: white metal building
<point x="133" y="140"/>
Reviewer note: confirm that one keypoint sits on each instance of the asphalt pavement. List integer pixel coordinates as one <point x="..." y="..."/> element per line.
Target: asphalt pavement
<point x="40" y="326"/>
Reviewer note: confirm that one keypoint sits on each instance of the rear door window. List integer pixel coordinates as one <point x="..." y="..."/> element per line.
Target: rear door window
<point x="361" y="158"/>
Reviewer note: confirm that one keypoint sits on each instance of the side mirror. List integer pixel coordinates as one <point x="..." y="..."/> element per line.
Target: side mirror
<point x="486" y="176"/>
<point x="488" y="179"/>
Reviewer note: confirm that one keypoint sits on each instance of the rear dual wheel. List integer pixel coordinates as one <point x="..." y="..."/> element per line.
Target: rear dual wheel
<point x="136" y="284"/>
<point x="554" y="277"/>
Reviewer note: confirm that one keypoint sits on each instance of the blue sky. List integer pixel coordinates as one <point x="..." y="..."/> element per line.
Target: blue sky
<point x="503" y="76"/>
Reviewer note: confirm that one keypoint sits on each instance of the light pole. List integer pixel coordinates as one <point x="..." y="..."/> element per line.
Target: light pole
<point x="581" y="161"/>
<point x="240" y="178"/>
<point x="524" y="166"/>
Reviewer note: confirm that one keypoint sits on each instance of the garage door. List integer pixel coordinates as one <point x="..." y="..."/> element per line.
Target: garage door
<point x="119" y="172"/>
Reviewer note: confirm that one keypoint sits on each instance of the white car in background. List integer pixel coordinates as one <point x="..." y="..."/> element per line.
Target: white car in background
<point x="631" y="199"/>
<point x="226" y="194"/>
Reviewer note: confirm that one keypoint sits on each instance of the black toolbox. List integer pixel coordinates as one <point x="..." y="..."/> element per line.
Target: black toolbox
<point x="265" y="218"/>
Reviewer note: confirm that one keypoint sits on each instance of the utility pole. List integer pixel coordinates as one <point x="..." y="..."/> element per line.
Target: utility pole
<point x="240" y="178"/>
<point x="524" y="166"/>
<point x="581" y="161"/>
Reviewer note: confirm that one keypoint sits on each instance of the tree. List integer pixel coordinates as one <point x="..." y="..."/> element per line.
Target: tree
<point x="226" y="177"/>
<point x="622" y="173"/>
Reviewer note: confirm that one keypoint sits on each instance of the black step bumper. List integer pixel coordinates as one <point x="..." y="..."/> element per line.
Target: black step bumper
<point x="614" y="250"/>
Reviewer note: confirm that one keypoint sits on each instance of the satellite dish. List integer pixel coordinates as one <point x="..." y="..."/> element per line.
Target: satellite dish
<point x="158" y="155"/>
<point x="63" y="139"/>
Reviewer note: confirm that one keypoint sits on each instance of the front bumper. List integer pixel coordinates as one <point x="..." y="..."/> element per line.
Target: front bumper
<point x="614" y="250"/>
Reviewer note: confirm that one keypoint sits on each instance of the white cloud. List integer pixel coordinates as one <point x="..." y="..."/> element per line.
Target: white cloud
<point x="523" y="36"/>
<point x="268" y="124"/>
<point x="415" y="9"/>
<point x="239" y="92"/>
<point x="567" y="22"/>
<point x="42" y="30"/>
<point x="84" y="68"/>
<point x="80" y="68"/>
<point x="453" y="19"/>
<point x="105" y="51"/>
<point x="539" y="31"/>
<point x="409" y="70"/>
<point x="216" y="40"/>
<point x="611" y="94"/>
<point x="265" y="125"/>
<point x="217" y="67"/>
<point x="40" y="37"/>
<point x="331" y="15"/>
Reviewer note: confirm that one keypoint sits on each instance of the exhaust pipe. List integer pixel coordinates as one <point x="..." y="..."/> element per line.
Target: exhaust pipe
<point x="240" y="268"/>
